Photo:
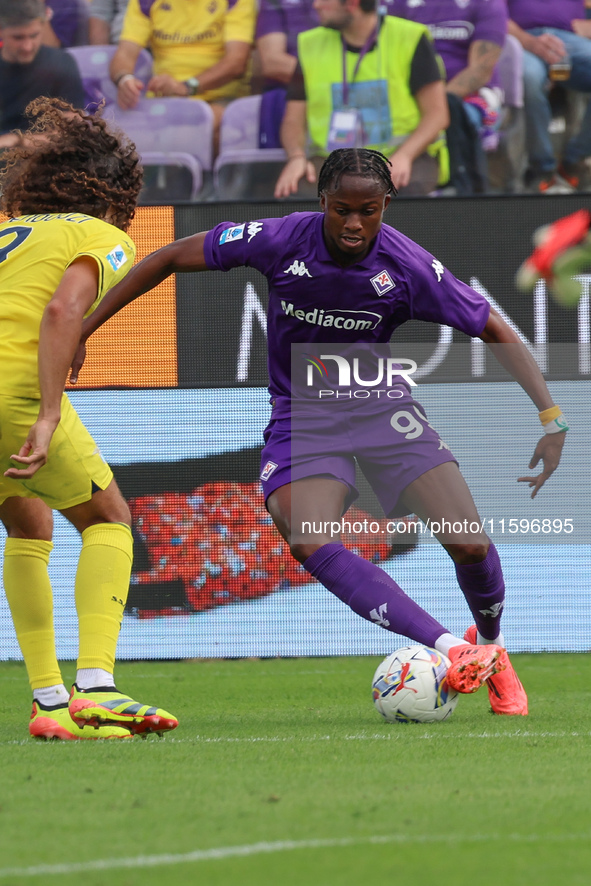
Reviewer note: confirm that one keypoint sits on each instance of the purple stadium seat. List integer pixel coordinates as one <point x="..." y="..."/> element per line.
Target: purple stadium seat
<point x="510" y="68"/>
<point x="169" y="124"/>
<point x="506" y="164"/>
<point x="170" y="132"/>
<point x="244" y="170"/>
<point x="176" y="160"/>
<point x="93" y="64"/>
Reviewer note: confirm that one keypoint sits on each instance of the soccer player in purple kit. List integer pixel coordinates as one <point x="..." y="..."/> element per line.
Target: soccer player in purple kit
<point x="339" y="261"/>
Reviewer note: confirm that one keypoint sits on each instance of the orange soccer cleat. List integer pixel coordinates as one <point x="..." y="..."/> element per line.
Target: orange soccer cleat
<point x="472" y="665"/>
<point x="563" y="251"/>
<point x="505" y="692"/>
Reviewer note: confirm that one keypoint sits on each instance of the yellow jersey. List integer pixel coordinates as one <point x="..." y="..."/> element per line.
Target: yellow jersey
<point x="35" y="250"/>
<point x="187" y="37"/>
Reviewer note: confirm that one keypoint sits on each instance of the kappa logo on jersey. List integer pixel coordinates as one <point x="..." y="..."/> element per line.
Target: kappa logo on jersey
<point x="438" y="268"/>
<point x="253" y="229"/>
<point x="231" y="234"/>
<point x="298" y="269"/>
<point x="268" y="470"/>
<point x="117" y="257"/>
<point x="382" y="282"/>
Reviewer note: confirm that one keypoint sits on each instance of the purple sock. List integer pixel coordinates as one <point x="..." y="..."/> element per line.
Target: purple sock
<point x="484" y="589"/>
<point x="372" y="594"/>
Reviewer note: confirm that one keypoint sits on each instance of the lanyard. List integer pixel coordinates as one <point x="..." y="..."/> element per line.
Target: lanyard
<point x="362" y="53"/>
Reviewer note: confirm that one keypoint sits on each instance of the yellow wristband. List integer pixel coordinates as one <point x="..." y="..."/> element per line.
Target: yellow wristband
<point x="548" y="415"/>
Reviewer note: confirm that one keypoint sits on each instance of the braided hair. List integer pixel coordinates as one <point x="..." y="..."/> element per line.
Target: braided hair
<point x="362" y="162"/>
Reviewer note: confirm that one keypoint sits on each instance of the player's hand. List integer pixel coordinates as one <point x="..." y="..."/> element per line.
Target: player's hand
<point x="33" y="452"/>
<point x="548" y="451"/>
<point x="295" y="169"/>
<point x="78" y="362"/>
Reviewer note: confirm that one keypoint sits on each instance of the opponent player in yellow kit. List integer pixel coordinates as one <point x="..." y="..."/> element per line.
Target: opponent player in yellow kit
<point x="70" y="190"/>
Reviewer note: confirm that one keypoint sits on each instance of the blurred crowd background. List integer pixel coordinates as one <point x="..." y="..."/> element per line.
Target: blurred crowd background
<point x="243" y="99"/>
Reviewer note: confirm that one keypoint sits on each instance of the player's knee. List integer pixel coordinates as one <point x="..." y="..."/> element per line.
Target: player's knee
<point x="117" y="512"/>
<point x="465" y="554"/>
<point x="109" y="506"/>
<point x="300" y="551"/>
<point x="35" y="522"/>
<point x="35" y="533"/>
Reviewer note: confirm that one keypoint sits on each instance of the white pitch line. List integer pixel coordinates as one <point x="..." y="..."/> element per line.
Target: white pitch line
<point x="223" y="852"/>
<point x="402" y="732"/>
<point x="399" y="733"/>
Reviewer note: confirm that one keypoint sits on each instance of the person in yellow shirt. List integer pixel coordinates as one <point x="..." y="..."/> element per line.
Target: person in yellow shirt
<point x="201" y="49"/>
<point x="69" y="189"/>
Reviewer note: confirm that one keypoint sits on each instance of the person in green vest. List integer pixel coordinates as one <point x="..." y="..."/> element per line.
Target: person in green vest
<point x="366" y="80"/>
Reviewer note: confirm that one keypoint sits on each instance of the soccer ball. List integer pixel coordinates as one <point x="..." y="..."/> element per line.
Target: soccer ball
<point x="410" y="686"/>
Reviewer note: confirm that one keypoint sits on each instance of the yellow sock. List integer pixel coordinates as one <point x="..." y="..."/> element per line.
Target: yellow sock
<point x="29" y="595"/>
<point x="102" y="584"/>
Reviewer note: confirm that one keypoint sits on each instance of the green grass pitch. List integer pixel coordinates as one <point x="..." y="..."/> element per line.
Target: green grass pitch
<point x="281" y="772"/>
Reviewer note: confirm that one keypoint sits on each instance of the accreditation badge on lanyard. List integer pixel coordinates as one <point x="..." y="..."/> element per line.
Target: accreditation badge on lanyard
<point x="346" y="124"/>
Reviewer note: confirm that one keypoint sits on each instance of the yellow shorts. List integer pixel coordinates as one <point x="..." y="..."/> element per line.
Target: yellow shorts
<point x="74" y="462"/>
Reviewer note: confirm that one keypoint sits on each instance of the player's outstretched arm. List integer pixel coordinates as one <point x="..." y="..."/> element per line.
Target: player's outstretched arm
<point x="180" y="256"/>
<point x="517" y="360"/>
<point x="58" y="338"/>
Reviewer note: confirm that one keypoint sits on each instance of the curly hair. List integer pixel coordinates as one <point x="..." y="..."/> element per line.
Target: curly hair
<point x="68" y="161"/>
<point x="355" y="161"/>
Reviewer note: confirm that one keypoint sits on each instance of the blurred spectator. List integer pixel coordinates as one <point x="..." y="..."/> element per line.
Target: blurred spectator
<point x="200" y="48"/>
<point x="28" y="69"/>
<point x="469" y="38"/>
<point x="278" y="24"/>
<point x="105" y="21"/>
<point x="66" y="23"/>
<point x="556" y="39"/>
<point x="364" y="80"/>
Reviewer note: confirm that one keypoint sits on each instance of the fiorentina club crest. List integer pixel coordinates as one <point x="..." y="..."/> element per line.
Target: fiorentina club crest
<point x="382" y="282"/>
<point x="268" y="470"/>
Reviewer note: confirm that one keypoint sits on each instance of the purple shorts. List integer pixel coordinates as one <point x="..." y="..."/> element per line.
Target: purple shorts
<point x="392" y="445"/>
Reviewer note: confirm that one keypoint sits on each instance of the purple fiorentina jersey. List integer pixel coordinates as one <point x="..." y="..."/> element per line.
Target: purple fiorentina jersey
<point x="455" y="24"/>
<point x="313" y="299"/>
<point x="288" y="17"/>
<point x="545" y="13"/>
